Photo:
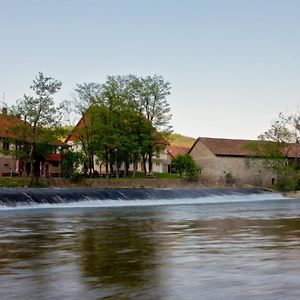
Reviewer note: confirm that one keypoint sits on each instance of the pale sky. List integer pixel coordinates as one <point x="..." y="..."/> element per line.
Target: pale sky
<point x="233" y="65"/>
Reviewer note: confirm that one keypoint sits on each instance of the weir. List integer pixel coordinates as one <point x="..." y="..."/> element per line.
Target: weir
<point x="116" y="197"/>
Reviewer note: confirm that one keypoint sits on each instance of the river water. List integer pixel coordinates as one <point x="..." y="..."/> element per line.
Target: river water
<point x="222" y="250"/>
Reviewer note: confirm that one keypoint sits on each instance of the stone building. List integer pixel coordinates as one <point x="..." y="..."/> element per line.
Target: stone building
<point x="229" y="160"/>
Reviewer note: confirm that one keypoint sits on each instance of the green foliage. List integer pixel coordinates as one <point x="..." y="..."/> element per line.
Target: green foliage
<point x="288" y="178"/>
<point x="275" y="146"/>
<point x="185" y="166"/>
<point x="121" y="118"/>
<point x="71" y="163"/>
<point x="40" y="117"/>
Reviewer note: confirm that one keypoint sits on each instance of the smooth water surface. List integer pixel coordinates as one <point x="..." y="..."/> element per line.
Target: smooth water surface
<point x="233" y="250"/>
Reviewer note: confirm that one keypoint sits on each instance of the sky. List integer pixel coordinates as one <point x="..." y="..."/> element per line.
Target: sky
<point x="233" y="65"/>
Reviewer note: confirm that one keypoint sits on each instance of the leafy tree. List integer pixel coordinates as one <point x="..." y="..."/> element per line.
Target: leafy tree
<point x="152" y="92"/>
<point x="120" y="120"/>
<point x="40" y="116"/>
<point x="71" y="163"/>
<point x="185" y="166"/>
<point x="275" y="146"/>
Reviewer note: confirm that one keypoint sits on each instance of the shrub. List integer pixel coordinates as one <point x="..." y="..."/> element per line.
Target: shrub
<point x="185" y="166"/>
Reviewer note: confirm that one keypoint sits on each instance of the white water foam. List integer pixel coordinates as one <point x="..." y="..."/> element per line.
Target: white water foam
<point x="89" y="202"/>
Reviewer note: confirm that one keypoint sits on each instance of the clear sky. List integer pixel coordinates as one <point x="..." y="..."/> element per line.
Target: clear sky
<point x="233" y="64"/>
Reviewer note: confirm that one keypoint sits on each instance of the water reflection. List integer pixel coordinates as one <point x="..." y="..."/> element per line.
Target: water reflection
<point x="117" y="252"/>
<point x="183" y="252"/>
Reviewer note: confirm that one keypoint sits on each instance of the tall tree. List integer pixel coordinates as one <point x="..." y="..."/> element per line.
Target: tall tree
<point x="121" y="118"/>
<point x="40" y="116"/>
<point x="83" y="104"/>
<point x="155" y="107"/>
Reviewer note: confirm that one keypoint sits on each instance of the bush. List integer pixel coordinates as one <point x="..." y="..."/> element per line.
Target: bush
<point x="70" y="164"/>
<point x="288" y="179"/>
<point x="185" y="166"/>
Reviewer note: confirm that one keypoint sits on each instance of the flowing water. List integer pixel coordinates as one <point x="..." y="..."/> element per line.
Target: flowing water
<point x="217" y="245"/>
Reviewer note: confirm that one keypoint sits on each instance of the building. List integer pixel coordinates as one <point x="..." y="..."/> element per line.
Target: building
<point x="11" y="139"/>
<point x="159" y="158"/>
<point x="229" y="160"/>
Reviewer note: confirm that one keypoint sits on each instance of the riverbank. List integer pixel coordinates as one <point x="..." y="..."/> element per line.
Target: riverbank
<point x="294" y="194"/>
<point x="113" y="183"/>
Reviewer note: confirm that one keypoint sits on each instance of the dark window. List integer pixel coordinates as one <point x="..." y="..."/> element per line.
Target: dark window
<point x="55" y="164"/>
<point x="5" y="146"/>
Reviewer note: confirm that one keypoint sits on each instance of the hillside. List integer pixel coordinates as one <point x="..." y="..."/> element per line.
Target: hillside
<point x="181" y="140"/>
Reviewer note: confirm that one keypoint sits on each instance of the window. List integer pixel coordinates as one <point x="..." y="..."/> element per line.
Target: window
<point x="5" y="146"/>
<point x="157" y="152"/>
<point x="55" y="164"/>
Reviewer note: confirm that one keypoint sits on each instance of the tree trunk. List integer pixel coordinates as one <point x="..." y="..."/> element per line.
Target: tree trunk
<point x="32" y="171"/>
<point x="126" y="167"/>
<point x="134" y="168"/>
<point x="150" y="160"/>
<point x="144" y="163"/>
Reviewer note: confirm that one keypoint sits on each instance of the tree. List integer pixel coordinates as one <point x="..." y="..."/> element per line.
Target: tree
<point x="40" y="116"/>
<point x="152" y="102"/>
<point x="71" y="163"/>
<point x="120" y="120"/>
<point x="275" y="146"/>
<point x="185" y="166"/>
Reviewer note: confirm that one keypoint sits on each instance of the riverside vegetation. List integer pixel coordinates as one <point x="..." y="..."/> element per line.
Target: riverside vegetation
<point x="123" y="122"/>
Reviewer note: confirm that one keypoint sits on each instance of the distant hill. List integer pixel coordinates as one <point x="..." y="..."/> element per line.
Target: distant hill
<point x="181" y="140"/>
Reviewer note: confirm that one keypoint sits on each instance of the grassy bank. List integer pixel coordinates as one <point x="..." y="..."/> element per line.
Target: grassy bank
<point x="18" y="182"/>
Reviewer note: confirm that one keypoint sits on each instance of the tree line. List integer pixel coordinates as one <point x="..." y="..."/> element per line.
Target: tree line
<point x="122" y="122"/>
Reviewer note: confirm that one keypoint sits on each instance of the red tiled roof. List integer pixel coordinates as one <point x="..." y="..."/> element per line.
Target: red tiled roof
<point x="74" y="134"/>
<point x="12" y="127"/>
<point x="174" y="150"/>
<point x="7" y="123"/>
<point x="235" y="147"/>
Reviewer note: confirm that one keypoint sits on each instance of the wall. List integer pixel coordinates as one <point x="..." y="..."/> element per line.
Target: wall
<point x="243" y="170"/>
<point x="125" y="183"/>
<point x="7" y="163"/>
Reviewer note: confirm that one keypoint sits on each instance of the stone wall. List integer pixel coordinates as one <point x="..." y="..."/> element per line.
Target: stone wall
<point x="124" y="183"/>
<point x="241" y="170"/>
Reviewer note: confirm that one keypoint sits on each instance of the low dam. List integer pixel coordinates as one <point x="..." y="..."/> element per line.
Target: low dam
<point x="50" y="197"/>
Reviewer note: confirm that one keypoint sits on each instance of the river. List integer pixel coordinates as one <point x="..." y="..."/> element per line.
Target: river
<point x="238" y="247"/>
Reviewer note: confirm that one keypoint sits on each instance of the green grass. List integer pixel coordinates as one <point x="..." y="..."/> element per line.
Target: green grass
<point x="166" y="175"/>
<point x="15" y="182"/>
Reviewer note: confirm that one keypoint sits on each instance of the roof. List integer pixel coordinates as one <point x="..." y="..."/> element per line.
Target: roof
<point x="74" y="134"/>
<point x="7" y="122"/>
<point x="12" y="127"/>
<point x="174" y="150"/>
<point x="236" y="147"/>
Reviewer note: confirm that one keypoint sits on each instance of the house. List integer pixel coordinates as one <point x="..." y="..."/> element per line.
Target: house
<point x="173" y="151"/>
<point x="159" y="158"/>
<point x="229" y="159"/>
<point x="11" y="139"/>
